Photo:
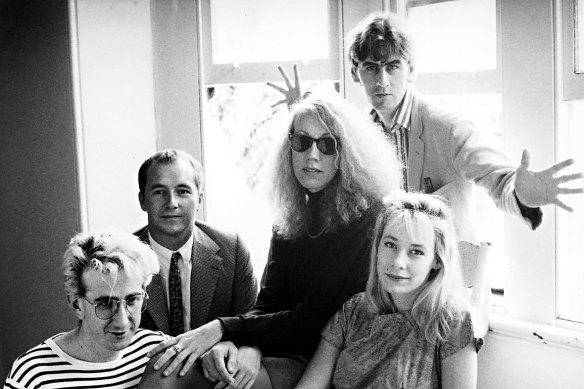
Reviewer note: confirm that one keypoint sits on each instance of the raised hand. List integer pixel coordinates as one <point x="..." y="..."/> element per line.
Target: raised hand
<point x="293" y="93"/>
<point x="186" y="348"/>
<point x="535" y="189"/>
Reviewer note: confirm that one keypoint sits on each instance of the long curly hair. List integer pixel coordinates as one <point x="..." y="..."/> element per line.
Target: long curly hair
<point x="438" y="306"/>
<point x="367" y="168"/>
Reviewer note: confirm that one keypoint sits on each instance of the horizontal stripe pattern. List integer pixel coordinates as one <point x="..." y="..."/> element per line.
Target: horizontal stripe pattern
<point x="47" y="366"/>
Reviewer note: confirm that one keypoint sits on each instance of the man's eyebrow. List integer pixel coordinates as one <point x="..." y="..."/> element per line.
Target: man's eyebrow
<point x="156" y="186"/>
<point x="105" y="298"/>
<point x="392" y="62"/>
<point x="102" y="298"/>
<point x="134" y="294"/>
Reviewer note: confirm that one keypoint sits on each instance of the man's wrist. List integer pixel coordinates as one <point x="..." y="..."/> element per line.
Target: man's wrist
<point x="520" y="204"/>
<point x="534" y="216"/>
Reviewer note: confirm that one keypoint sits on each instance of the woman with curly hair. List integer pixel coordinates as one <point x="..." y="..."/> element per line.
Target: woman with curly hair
<point x="330" y="171"/>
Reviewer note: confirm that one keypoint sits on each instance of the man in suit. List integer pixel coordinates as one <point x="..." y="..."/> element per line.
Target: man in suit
<point x="204" y="273"/>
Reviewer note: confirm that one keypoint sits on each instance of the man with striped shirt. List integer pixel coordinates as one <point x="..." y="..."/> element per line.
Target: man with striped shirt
<point x="105" y="276"/>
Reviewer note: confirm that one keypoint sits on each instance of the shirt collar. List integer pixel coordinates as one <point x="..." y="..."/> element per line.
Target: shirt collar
<point x="403" y="114"/>
<point x="185" y="250"/>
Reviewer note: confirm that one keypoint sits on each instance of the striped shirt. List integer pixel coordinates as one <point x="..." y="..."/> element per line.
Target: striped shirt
<point x="397" y="134"/>
<point x="48" y="366"/>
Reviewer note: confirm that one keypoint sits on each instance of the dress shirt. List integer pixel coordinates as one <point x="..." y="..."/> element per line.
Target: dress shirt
<point x="185" y="266"/>
<point x="397" y="133"/>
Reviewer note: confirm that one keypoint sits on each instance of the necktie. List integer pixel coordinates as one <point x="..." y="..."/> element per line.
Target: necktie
<point x="175" y="296"/>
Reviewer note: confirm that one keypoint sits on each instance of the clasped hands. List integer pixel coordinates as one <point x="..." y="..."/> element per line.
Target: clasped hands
<point x="231" y="367"/>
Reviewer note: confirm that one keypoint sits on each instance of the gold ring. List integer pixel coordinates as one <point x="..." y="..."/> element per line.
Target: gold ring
<point x="177" y="348"/>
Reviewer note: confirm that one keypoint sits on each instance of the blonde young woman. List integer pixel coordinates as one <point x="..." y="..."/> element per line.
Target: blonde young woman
<point x="410" y="328"/>
<point x="330" y="172"/>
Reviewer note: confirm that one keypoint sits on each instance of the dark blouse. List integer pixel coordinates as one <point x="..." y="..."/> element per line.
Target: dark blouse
<point x="306" y="280"/>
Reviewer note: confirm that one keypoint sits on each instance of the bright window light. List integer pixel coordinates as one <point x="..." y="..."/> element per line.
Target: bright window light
<point x="570" y="245"/>
<point x="454" y="36"/>
<point x="251" y="31"/>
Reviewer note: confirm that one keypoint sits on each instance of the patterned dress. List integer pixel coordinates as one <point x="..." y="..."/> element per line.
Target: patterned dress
<point x="387" y="351"/>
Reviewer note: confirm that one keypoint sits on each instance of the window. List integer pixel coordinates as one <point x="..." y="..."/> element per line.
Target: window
<point x="540" y="271"/>
<point x="456" y="63"/>
<point x="240" y="123"/>
<point x="238" y="48"/>
<point x="570" y="247"/>
<point x="579" y="36"/>
<point x="440" y="45"/>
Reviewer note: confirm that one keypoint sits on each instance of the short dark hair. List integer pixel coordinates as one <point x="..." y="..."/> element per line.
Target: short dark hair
<point x="379" y="36"/>
<point x="168" y="156"/>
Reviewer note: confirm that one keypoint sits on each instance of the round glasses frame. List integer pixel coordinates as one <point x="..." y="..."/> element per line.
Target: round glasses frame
<point x="107" y="309"/>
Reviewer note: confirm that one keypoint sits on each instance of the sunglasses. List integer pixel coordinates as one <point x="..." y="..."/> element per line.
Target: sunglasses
<point x="326" y="145"/>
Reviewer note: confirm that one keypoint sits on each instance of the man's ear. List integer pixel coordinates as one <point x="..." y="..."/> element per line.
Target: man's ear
<point x="75" y="305"/>
<point x="354" y="74"/>
<point x="412" y="75"/>
<point x="141" y="201"/>
<point x="201" y="195"/>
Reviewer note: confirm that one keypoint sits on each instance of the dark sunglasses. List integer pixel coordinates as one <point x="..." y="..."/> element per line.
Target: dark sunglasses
<point x="326" y="145"/>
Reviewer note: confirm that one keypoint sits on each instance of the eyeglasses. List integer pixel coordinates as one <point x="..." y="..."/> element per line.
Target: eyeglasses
<point x="106" y="309"/>
<point x="326" y="145"/>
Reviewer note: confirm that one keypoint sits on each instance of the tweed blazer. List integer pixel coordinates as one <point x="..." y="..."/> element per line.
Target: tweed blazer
<point x="455" y="155"/>
<point x="222" y="280"/>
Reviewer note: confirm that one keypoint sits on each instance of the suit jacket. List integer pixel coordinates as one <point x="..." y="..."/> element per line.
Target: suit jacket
<point x="455" y="155"/>
<point x="222" y="280"/>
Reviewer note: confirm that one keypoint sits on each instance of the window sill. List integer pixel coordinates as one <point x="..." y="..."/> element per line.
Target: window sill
<point x="539" y="333"/>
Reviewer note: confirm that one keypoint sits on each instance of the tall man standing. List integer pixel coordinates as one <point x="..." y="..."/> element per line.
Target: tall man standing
<point x="204" y="273"/>
<point x="441" y="152"/>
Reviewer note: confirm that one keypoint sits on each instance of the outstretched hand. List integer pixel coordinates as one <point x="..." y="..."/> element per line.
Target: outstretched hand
<point x="535" y="189"/>
<point x="186" y="348"/>
<point x="292" y="93"/>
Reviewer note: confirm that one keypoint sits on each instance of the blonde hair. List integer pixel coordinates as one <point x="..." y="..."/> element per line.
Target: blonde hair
<point x="438" y="306"/>
<point x="366" y="161"/>
<point x="107" y="252"/>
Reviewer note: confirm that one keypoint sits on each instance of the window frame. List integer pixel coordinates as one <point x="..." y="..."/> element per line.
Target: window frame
<point x="573" y="83"/>
<point x="530" y="292"/>
<point x="319" y="69"/>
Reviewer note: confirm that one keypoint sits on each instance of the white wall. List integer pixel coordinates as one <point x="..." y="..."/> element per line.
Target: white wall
<point x="116" y="116"/>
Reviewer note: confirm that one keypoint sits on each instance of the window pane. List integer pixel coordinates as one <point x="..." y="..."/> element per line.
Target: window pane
<point x="579" y="34"/>
<point x="248" y="31"/>
<point x="454" y="36"/>
<point x="239" y="131"/>
<point x="485" y="111"/>
<point x="570" y="227"/>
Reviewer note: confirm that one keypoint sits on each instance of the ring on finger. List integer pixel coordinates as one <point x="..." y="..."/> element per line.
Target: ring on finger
<point x="177" y="348"/>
